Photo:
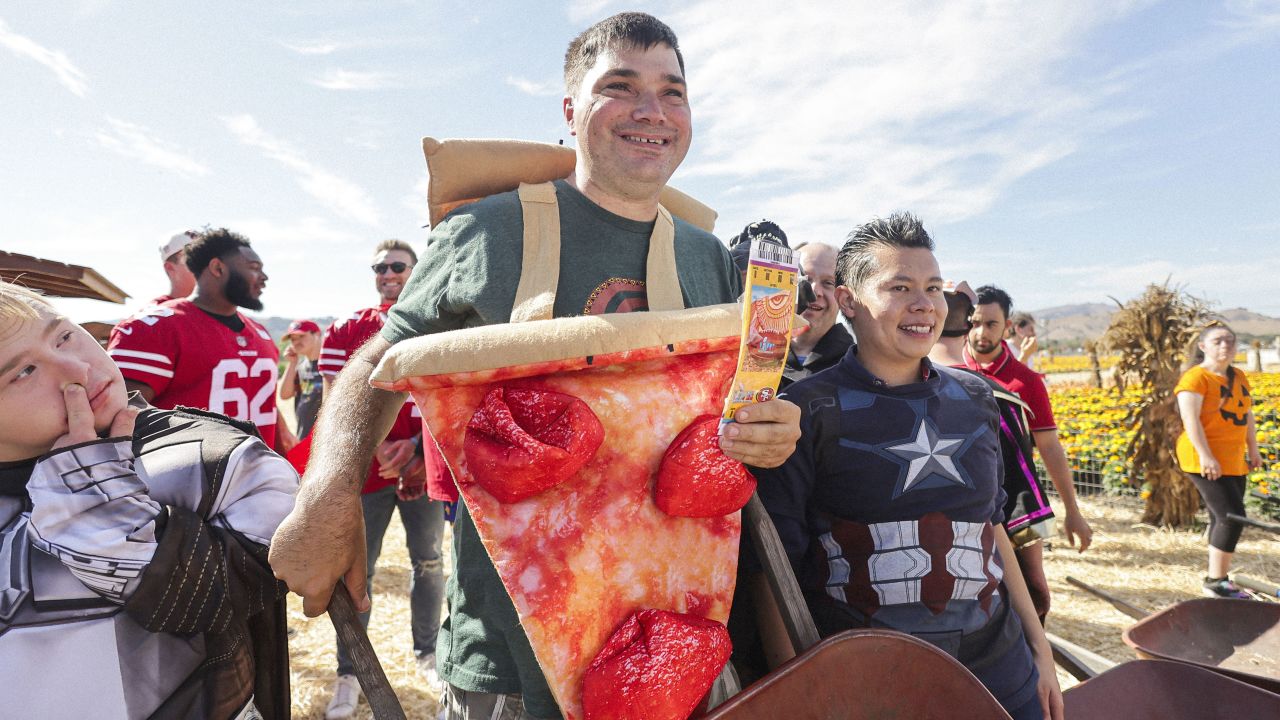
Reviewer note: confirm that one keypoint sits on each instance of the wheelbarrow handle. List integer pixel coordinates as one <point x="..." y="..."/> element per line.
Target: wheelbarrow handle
<point x="782" y="581"/>
<point x="377" y="690"/>
<point x="1262" y="524"/>
<point x="1132" y="611"/>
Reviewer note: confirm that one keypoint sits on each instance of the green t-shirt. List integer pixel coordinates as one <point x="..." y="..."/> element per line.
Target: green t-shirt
<point x="467" y="278"/>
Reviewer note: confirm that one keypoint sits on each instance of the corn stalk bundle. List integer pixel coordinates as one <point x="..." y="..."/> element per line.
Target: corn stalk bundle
<point x="1152" y="334"/>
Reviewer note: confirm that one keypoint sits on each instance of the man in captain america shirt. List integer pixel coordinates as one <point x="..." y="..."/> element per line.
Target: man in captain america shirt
<point x="396" y="481"/>
<point x="200" y="351"/>
<point x="890" y="507"/>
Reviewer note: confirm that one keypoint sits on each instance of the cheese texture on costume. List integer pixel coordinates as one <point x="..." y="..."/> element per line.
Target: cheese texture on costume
<point x="589" y="558"/>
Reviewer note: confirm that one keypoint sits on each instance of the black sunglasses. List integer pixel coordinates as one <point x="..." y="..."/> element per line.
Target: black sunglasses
<point x="395" y="267"/>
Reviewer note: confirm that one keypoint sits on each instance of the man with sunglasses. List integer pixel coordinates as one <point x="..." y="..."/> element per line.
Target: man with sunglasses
<point x="396" y="481"/>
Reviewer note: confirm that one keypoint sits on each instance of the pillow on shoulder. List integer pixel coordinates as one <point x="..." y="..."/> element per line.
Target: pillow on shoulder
<point x="463" y="171"/>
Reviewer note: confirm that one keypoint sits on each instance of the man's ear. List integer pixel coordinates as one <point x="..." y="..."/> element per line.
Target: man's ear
<point x="846" y="301"/>
<point x="217" y="268"/>
<point x="567" y="107"/>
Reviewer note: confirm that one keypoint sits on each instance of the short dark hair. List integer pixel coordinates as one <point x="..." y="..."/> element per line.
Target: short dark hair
<point x="988" y="294"/>
<point x="394" y="244"/>
<point x="209" y="244"/>
<point x="857" y="261"/>
<point x="624" y="30"/>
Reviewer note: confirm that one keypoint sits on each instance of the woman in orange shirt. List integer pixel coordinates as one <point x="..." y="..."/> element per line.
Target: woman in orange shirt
<point x="1218" y="446"/>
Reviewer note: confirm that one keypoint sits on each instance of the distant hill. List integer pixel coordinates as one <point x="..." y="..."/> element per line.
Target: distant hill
<point x="1074" y="322"/>
<point x="277" y="325"/>
<point x="1067" y="323"/>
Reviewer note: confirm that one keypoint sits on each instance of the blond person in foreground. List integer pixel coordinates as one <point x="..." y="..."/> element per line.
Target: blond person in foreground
<point x="135" y="564"/>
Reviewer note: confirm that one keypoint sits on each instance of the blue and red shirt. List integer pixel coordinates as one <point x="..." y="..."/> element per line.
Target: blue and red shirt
<point x="889" y="509"/>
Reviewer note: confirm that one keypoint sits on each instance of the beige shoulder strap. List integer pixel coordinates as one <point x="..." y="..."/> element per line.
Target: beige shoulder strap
<point x="662" y="281"/>
<point x="540" y="264"/>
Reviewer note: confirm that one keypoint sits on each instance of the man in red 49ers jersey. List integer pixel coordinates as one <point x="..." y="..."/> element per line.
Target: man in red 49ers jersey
<point x="395" y="482"/>
<point x="202" y="352"/>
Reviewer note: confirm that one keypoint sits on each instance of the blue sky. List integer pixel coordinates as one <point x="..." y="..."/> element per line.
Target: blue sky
<point x="1067" y="151"/>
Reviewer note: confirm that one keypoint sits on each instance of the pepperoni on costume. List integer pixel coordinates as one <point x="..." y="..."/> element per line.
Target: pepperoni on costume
<point x="657" y="666"/>
<point x="522" y="441"/>
<point x="696" y="479"/>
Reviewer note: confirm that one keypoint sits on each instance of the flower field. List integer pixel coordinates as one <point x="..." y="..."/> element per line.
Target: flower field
<point x="1071" y="363"/>
<point x="1091" y="423"/>
<point x="1080" y="363"/>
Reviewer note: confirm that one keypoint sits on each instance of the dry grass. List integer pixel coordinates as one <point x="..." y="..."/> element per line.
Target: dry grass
<point x="1149" y="567"/>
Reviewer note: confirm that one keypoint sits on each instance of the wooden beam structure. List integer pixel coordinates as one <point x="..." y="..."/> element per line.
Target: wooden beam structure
<point x="58" y="279"/>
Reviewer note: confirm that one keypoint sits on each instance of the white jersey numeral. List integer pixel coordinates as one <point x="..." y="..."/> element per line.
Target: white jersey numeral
<point x="233" y="401"/>
<point x="151" y="315"/>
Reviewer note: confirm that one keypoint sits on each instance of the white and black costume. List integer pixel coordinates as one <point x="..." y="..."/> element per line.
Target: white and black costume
<point x="133" y="575"/>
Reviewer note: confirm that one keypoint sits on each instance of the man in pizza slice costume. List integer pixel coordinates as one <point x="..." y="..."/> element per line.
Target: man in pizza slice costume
<point x="616" y="250"/>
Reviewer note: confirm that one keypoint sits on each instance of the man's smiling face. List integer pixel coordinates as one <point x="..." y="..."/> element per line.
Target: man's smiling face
<point x="389" y="282"/>
<point x="632" y="121"/>
<point x="819" y="264"/>
<point x="898" y="312"/>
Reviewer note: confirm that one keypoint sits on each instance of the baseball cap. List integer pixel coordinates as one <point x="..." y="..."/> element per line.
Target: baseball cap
<point x="962" y="288"/>
<point x="176" y="243"/>
<point x="301" y="326"/>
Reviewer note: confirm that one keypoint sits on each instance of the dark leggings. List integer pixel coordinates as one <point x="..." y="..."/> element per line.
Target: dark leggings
<point x="1222" y="496"/>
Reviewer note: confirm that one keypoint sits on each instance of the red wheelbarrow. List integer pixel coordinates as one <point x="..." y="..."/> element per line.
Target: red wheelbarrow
<point x="1236" y="638"/>
<point x="1162" y="690"/>
<point x="865" y="675"/>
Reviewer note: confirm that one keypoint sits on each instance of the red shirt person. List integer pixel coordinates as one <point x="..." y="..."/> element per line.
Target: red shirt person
<point x="402" y="460"/>
<point x="987" y="353"/>
<point x="202" y="352"/>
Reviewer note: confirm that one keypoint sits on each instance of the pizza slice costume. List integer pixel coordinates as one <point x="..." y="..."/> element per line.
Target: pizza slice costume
<point x="558" y="433"/>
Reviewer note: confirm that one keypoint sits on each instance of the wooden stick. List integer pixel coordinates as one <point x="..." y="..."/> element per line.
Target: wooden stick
<point x="1132" y="611"/>
<point x="1081" y="663"/>
<point x="377" y="690"/>
<point x="782" y="581"/>
<point x="1273" y="527"/>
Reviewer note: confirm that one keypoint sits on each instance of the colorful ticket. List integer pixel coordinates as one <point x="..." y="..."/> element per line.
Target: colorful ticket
<point x="769" y="303"/>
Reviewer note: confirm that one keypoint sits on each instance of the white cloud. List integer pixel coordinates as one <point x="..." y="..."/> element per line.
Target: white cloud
<point x="416" y="200"/>
<point x="589" y="11"/>
<point x="1217" y="282"/>
<point x="1257" y="15"/>
<point x="71" y="77"/>
<point x="312" y="47"/>
<point x="936" y="109"/>
<point x="536" y="89"/>
<point x="140" y="143"/>
<point x="338" y="194"/>
<point x="338" y="79"/>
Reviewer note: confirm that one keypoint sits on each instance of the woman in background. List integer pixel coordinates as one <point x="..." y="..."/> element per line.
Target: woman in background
<point x="1218" y="445"/>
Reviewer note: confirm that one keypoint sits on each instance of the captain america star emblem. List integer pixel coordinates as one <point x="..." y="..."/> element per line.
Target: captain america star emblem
<point x="929" y="456"/>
